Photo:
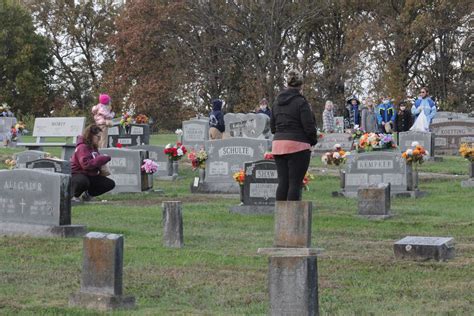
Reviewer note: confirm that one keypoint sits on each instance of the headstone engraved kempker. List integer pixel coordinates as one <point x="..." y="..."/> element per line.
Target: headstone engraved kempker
<point x="250" y="125"/>
<point x="261" y="181"/>
<point x="373" y="168"/>
<point x="24" y="157"/>
<point x="195" y="133"/>
<point x="227" y="156"/>
<point x="36" y="203"/>
<point x="125" y="169"/>
<point x="425" y="248"/>
<point x="425" y="139"/>
<point x="50" y="164"/>
<point x="449" y="135"/>
<point x="133" y="135"/>
<point x="327" y="142"/>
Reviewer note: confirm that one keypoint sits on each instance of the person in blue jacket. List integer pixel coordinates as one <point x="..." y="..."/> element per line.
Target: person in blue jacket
<point x="425" y="104"/>
<point x="216" y="120"/>
<point x="386" y="115"/>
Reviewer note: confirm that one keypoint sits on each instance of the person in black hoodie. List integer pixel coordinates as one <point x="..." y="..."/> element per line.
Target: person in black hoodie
<point x="293" y="125"/>
<point x="216" y="120"/>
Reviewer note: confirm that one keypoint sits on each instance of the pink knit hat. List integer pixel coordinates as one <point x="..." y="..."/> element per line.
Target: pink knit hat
<point x="104" y="99"/>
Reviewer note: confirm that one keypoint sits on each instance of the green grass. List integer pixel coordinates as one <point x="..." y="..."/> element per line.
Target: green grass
<point x="218" y="271"/>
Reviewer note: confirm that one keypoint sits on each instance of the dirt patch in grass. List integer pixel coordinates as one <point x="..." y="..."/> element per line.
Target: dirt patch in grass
<point x="195" y="198"/>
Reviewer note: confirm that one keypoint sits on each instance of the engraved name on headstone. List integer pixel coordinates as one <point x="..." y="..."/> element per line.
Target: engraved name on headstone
<point x="195" y="133"/>
<point x="328" y="141"/>
<point x="373" y="168"/>
<point x="424" y="248"/>
<point x="250" y="125"/>
<point x="261" y="181"/>
<point x="125" y="169"/>
<point x="133" y="135"/>
<point x="450" y="135"/>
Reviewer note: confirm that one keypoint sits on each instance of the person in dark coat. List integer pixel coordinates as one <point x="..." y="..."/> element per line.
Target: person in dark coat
<point x="263" y="108"/>
<point x="86" y="164"/>
<point x="352" y="113"/>
<point x="293" y="125"/>
<point x="404" y="119"/>
<point x="216" y="120"/>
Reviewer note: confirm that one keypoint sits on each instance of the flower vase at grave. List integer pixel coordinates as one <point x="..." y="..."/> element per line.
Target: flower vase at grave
<point x="342" y="178"/>
<point x="175" y="168"/>
<point x="202" y="173"/>
<point x="241" y="187"/>
<point x="127" y="129"/>
<point x="412" y="178"/>
<point x="471" y="169"/>
<point x="169" y="166"/>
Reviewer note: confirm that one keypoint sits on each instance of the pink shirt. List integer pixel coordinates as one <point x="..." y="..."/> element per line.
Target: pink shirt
<point x="282" y="147"/>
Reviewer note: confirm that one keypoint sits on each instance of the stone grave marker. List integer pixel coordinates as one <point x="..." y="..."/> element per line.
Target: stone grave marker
<point x="225" y="157"/>
<point x="125" y="169"/>
<point x="102" y="274"/>
<point x="449" y="135"/>
<point x="339" y="124"/>
<point x="259" y="189"/>
<point x="50" y="164"/>
<point x="469" y="183"/>
<point x="374" y="202"/>
<point x="373" y="168"/>
<point x="132" y="135"/>
<point x="425" y="139"/>
<point x="250" y="125"/>
<point x="424" y="248"/>
<point x="22" y="158"/>
<point x="156" y="153"/>
<point x="443" y="116"/>
<point x="195" y="133"/>
<point x="327" y="142"/>
<point x="36" y="203"/>
<point x="172" y="224"/>
<point x="5" y="125"/>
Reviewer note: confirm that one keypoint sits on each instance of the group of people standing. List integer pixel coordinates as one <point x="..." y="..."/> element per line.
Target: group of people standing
<point x="384" y="117"/>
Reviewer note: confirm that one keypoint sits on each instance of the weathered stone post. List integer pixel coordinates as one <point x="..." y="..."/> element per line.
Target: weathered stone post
<point x="469" y="182"/>
<point x="172" y="224"/>
<point x="374" y="201"/>
<point x="293" y="272"/>
<point x="102" y="274"/>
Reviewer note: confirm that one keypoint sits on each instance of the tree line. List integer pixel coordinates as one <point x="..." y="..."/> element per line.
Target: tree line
<point x="168" y="59"/>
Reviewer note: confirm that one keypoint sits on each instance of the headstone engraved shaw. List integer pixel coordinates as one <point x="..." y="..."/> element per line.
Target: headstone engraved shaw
<point x="36" y="203"/>
<point x="125" y="169"/>
<point x="259" y="189"/>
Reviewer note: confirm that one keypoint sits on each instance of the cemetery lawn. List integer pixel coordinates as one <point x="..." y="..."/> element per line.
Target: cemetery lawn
<point x="218" y="271"/>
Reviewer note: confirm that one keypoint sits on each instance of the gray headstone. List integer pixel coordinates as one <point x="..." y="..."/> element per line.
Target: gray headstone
<point x="450" y="135"/>
<point x="50" y="164"/>
<point x="125" y="169"/>
<point x="450" y="116"/>
<point x="195" y="133"/>
<point x="227" y="156"/>
<point x="374" y="168"/>
<point x="58" y="126"/>
<point x="374" y="202"/>
<point x="156" y="153"/>
<point x="327" y="142"/>
<point x="250" y="125"/>
<point x="425" y="139"/>
<point x="172" y="224"/>
<point x="36" y="203"/>
<point x="261" y="181"/>
<point x="102" y="274"/>
<point x="27" y="156"/>
<point x="5" y="125"/>
<point x="133" y="135"/>
<point x="293" y="285"/>
<point x="425" y="248"/>
<point x="293" y="221"/>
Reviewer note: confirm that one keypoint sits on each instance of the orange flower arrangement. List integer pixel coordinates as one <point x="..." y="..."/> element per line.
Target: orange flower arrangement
<point x="141" y="119"/>
<point x="239" y="176"/>
<point x="467" y="151"/>
<point x="415" y="155"/>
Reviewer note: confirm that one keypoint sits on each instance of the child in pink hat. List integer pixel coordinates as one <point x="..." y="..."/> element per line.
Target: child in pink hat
<point x="103" y="116"/>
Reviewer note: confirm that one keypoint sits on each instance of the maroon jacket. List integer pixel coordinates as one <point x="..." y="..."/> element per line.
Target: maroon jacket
<point x="86" y="160"/>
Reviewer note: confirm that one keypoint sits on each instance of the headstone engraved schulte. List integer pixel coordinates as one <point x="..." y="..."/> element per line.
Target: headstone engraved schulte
<point x="227" y="156"/>
<point x="373" y="168"/>
<point x="125" y="169"/>
<point x="36" y="203"/>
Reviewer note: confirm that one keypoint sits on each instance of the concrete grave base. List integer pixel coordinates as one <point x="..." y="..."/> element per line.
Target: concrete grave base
<point x="412" y="194"/>
<point x="17" y="229"/>
<point x="169" y="178"/>
<point x="253" y="209"/>
<point x="211" y="187"/>
<point x="468" y="183"/>
<point x="376" y="217"/>
<point x="424" y="248"/>
<point x="101" y="302"/>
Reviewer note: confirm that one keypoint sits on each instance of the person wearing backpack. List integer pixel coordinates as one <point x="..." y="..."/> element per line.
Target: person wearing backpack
<point x="216" y="120"/>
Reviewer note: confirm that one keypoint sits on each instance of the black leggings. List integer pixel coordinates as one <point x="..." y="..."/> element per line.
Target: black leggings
<point x="291" y="170"/>
<point x="95" y="185"/>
